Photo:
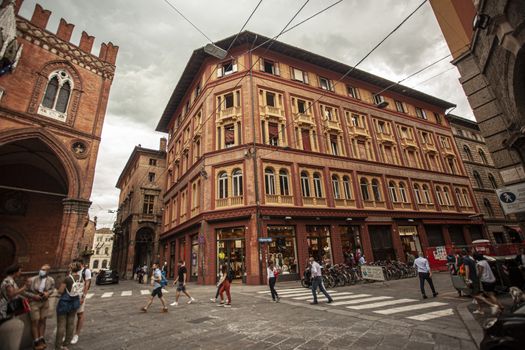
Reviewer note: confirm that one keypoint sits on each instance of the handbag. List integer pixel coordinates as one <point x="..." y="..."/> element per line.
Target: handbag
<point x="18" y="306"/>
<point x="67" y="303"/>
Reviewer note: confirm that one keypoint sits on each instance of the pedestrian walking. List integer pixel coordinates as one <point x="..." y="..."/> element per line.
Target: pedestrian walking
<point x="156" y="279"/>
<point x="181" y="287"/>
<point x="70" y="291"/>
<point x="219" y="284"/>
<point x="39" y="290"/>
<point x="317" y="281"/>
<point x="488" y="280"/>
<point x="424" y="273"/>
<point x="225" y="283"/>
<point x="473" y="282"/>
<point x="85" y="275"/>
<point x="362" y="260"/>
<point x="272" y="272"/>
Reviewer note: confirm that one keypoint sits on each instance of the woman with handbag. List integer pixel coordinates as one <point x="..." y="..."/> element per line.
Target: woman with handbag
<point x="12" y="304"/>
<point x="271" y="274"/>
<point x="70" y="291"/>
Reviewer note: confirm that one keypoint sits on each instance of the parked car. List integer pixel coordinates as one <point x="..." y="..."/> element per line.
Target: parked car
<point x="107" y="277"/>
<point x="505" y="332"/>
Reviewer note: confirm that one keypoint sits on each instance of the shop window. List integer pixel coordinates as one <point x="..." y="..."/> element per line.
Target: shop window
<point x="351" y="244"/>
<point x="269" y="181"/>
<point x="283" y="248"/>
<point x="194" y="256"/>
<point x="305" y="184"/>
<point x="456" y="235"/>
<point x="364" y="189"/>
<point x="284" y="183"/>
<point x="347" y="187"/>
<point x="319" y="245"/>
<point x="336" y="187"/>
<point x="376" y="191"/>
<point x="409" y="240"/>
<point x="237" y="183"/>
<point x="318" y="187"/>
<point x="492" y="181"/>
<point x="223" y="185"/>
<point x="231" y="250"/>
<point x="434" y="235"/>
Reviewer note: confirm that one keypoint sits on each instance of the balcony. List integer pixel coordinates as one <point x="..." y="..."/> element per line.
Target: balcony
<point x="383" y="137"/>
<point x="314" y="201"/>
<point x="359" y="131"/>
<point x="445" y="207"/>
<point x="332" y="124"/>
<point x="408" y="143"/>
<point x="344" y="202"/>
<point x="229" y="202"/>
<point x="279" y="199"/>
<point x="229" y="113"/>
<point x="148" y="218"/>
<point x="448" y="151"/>
<point x="270" y="111"/>
<point x="402" y="206"/>
<point x="426" y="206"/>
<point x="374" y="204"/>
<point x="301" y="118"/>
<point x="428" y="148"/>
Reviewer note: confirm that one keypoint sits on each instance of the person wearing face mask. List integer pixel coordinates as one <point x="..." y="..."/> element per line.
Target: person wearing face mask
<point x="40" y="288"/>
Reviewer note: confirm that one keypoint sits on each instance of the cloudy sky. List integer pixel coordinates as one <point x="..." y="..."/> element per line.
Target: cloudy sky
<point x="155" y="44"/>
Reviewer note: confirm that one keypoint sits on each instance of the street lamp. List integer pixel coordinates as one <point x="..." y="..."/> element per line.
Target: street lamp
<point x="215" y="51"/>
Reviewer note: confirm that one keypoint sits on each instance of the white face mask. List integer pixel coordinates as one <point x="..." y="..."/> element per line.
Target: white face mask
<point x="42" y="273"/>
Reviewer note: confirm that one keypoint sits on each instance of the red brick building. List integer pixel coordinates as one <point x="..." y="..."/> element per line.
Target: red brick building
<point x="318" y="167"/>
<point x="52" y="108"/>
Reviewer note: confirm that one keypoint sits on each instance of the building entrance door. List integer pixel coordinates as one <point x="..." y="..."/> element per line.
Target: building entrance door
<point x="231" y="251"/>
<point x="381" y="240"/>
<point x="143" y="249"/>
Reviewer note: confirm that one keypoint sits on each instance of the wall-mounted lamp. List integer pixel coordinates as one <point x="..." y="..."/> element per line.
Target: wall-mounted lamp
<point x="287" y="218"/>
<point x="349" y="219"/>
<point x="410" y="220"/>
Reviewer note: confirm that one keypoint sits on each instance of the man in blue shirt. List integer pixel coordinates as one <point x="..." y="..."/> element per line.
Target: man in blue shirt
<point x="156" y="278"/>
<point x="423" y="270"/>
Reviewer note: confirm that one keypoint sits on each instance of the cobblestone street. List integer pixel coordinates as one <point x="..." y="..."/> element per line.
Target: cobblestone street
<point x="366" y="316"/>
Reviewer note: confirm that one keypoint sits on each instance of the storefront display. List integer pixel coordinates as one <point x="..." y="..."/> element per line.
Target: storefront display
<point x="382" y="245"/>
<point x="194" y="256"/>
<point x="319" y="245"/>
<point x="231" y="250"/>
<point x="283" y="248"/>
<point x="351" y="244"/>
<point x="410" y="241"/>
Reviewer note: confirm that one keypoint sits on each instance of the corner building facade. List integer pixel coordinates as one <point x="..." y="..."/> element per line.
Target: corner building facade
<point x="315" y="167"/>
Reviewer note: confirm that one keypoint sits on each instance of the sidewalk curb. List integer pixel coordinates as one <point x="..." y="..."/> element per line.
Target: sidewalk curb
<point x="472" y="326"/>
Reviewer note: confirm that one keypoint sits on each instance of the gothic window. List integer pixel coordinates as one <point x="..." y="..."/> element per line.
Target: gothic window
<point x="223" y="185"/>
<point x="492" y="181"/>
<point x="466" y="197"/>
<point x="363" y="183"/>
<point x="269" y="181"/>
<point x="376" y="191"/>
<point x="426" y="194"/>
<point x="418" y="194"/>
<point x="446" y="196"/>
<point x="58" y="92"/>
<point x="468" y="153"/>
<point x="488" y="207"/>
<point x="305" y="184"/>
<point x="393" y="192"/>
<point x="336" y="187"/>
<point x="439" y="195"/>
<point x="237" y="183"/>
<point x="458" y="197"/>
<point x="483" y="157"/>
<point x="347" y="187"/>
<point x="317" y="186"/>
<point x="403" y="192"/>
<point x="284" y="183"/>
<point x="477" y="177"/>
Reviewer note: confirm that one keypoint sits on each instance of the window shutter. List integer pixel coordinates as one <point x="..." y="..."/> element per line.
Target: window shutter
<point x="234" y="67"/>
<point x="261" y="64"/>
<point x="219" y="72"/>
<point x="305" y="76"/>
<point x="276" y="70"/>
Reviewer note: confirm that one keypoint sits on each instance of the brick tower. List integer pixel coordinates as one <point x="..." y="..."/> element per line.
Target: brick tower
<point x="53" y="98"/>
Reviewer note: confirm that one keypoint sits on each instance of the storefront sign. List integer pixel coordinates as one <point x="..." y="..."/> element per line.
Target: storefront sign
<point x="512" y="198"/>
<point x="407" y="230"/>
<point x="440" y="253"/>
<point x="265" y="239"/>
<point x="372" y="273"/>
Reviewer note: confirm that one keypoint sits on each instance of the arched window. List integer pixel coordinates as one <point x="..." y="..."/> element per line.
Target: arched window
<point x="488" y="207"/>
<point x="466" y="197"/>
<point x="468" y="153"/>
<point x="364" y="189"/>
<point x="58" y="92"/>
<point x="223" y="185"/>
<point x="106" y="251"/>
<point x="318" y="186"/>
<point x="418" y="194"/>
<point x="95" y="264"/>
<point x="284" y="182"/>
<point x="237" y="183"/>
<point x="305" y="184"/>
<point x="376" y="191"/>
<point x="446" y="196"/>
<point x="269" y="181"/>
<point x="451" y="165"/>
<point x="439" y="195"/>
<point x="492" y="181"/>
<point x="426" y="194"/>
<point x="458" y="197"/>
<point x="483" y="157"/>
<point x="479" y="182"/>
<point x="392" y="190"/>
<point x="403" y="192"/>
<point x="336" y="187"/>
<point x="347" y="188"/>
<point x="104" y="264"/>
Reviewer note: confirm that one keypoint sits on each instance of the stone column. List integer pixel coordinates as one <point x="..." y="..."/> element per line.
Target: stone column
<point x="73" y="222"/>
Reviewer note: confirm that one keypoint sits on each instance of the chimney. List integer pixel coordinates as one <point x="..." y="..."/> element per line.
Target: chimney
<point x="65" y="30"/>
<point x="86" y="42"/>
<point x="111" y="53"/>
<point x="40" y="17"/>
<point x="163" y="142"/>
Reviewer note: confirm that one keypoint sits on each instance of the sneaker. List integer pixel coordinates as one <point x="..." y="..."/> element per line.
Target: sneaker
<point x="227" y="305"/>
<point x="330" y="301"/>
<point x="174" y="303"/>
<point x="191" y="300"/>
<point x="435" y="294"/>
<point x="74" y="340"/>
<point x="213" y="300"/>
<point x="424" y="296"/>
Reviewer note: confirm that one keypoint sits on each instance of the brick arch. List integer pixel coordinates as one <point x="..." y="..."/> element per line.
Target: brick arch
<point x="21" y="246"/>
<point x="63" y="154"/>
<point x="41" y="83"/>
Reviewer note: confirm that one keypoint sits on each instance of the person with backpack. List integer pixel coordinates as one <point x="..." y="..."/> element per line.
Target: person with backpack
<point x="70" y="291"/>
<point x="85" y="275"/>
<point x="272" y="272"/>
<point x="156" y="279"/>
<point x="225" y="282"/>
<point x="181" y="279"/>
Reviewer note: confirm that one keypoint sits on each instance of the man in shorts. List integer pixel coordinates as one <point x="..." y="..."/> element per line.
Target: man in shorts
<point x="41" y="287"/>
<point x="85" y="275"/>
<point x="181" y="287"/>
<point x="156" y="278"/>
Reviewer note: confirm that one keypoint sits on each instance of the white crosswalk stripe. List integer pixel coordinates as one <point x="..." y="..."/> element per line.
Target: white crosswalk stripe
<point x="419" y="306"/>
<point x="354" y="296"/>
<point x="107" y="295"/>
<point x="309" y="295"/>
<point x="126" y="293"/>
<point x="297" y="294"/>
<point x="359" y="301"/>
<point x="89" y="295"/>
<point x="288" y="290"/>
<point x="432" y="315"/>
<point x="144" y="292"/>
<point x="380" y="304"/>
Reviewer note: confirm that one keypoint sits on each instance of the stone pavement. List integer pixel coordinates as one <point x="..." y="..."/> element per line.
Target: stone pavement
<point x="114" y="319"/>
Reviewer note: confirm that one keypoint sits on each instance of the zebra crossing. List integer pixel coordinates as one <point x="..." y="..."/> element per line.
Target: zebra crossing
<point x="125" y="293"/>
<point x="412" y="309"/>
